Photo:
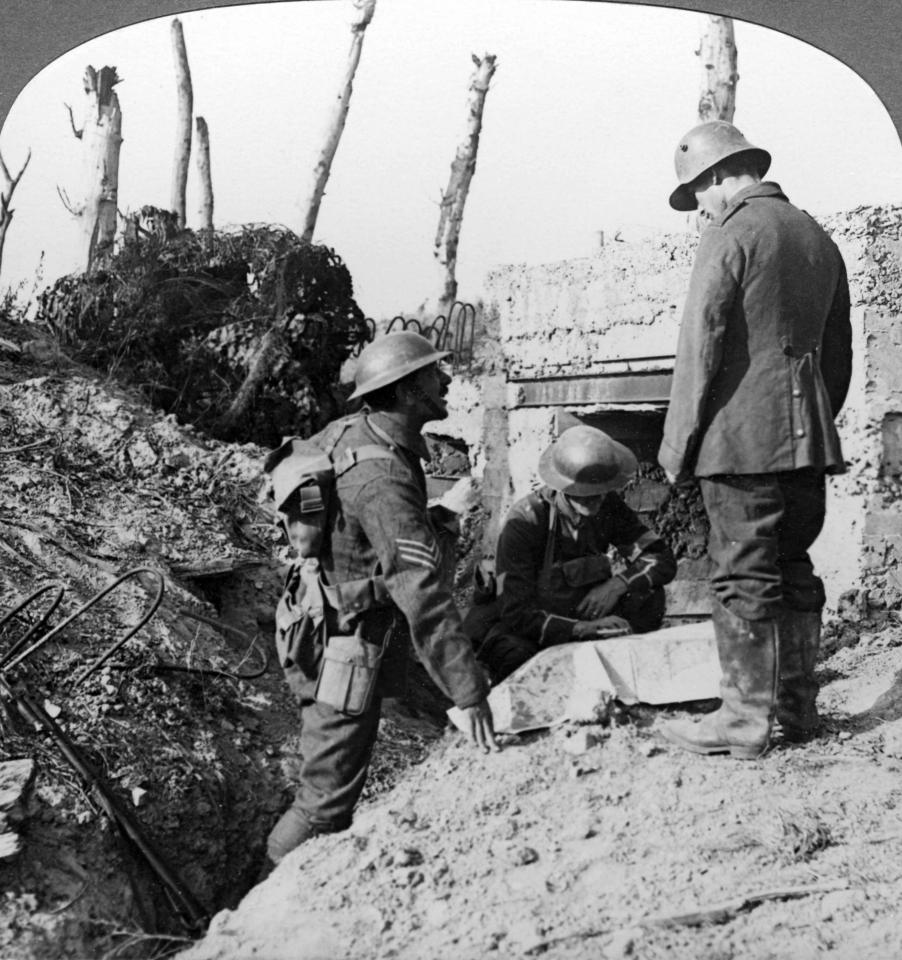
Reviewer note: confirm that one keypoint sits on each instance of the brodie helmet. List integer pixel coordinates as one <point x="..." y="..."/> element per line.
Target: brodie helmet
<point x="390" y="358"/>
<point x="586" y="462"/>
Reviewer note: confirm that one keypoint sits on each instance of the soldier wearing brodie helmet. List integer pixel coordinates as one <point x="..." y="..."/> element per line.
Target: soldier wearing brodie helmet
<point x="762" y="369"/>
<point x="377" y="575"/>
<point x="556" y="582"/>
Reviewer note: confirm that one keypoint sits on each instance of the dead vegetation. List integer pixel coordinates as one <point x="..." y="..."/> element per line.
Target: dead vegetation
<point x="181" y="316"/>
<point x="96" y="484"/>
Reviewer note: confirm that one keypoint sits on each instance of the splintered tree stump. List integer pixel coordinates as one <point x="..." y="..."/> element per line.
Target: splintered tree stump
<point x="454" y="199"/>
<point x="101" y="138"/>
<point x="270" y="346"/>
<point x="183" y="123"/>
<point x="310" y="209"/>
<point x="205" y="175"/>
<point x="718" y="55"/>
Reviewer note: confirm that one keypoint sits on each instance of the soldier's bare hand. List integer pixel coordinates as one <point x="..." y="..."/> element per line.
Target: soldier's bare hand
<point x="601" y="600"/>
<point x="479" y="726"/>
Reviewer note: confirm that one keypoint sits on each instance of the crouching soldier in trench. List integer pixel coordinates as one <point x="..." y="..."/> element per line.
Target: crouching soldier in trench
<point x="378" y="574"/>
<point x="554" y="575"/>
<point x="762" y="368"/>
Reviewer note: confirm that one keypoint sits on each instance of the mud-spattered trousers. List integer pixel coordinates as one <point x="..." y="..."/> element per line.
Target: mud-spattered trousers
<point x="336" y="751"/>
<point x="762" y="526"/>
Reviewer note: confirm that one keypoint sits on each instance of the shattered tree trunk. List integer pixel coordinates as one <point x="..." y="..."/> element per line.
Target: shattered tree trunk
<point x="6" y="194"/>
<point x="270" y="346"/>
<point x="206" y="177"/>
<point x="310" y="210"/>
<point x="455" y="196"/>
<point x="183" y="123"/>
<point x="101" y="137"/>
<point x="717" y="52"/>
<point x="266" y="351"/>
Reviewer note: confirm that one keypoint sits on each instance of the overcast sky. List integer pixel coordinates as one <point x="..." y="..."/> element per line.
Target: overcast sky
<point x="587" y="104"/>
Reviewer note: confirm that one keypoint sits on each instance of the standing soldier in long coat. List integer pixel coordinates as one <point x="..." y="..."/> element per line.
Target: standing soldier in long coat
<point x="762" y="369"/>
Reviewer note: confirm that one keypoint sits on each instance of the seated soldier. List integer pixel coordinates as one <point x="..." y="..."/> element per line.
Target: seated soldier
<point x="554" y="575"/>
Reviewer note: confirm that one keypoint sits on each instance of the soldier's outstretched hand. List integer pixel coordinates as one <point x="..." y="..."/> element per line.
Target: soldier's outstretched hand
<point x="477" y="724"/>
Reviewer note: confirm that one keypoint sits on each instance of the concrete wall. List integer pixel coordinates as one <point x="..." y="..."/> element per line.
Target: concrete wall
<point x="625" y="302"/>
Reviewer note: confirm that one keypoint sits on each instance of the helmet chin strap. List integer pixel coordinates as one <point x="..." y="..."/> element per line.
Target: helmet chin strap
<point x="421" y="394"/>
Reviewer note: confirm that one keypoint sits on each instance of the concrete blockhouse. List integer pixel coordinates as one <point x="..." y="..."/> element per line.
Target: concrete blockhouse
<point x="595" y="339"/>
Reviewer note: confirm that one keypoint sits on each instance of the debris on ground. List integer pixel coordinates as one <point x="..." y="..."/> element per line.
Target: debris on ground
<point x="648" y="851"/>
<point x="596" y="850"/>
<point x="98" y="484"/>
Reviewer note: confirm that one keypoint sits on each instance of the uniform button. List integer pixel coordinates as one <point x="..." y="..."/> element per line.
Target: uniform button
<point x="800" y="432"/>
<point x="797" y="392"/>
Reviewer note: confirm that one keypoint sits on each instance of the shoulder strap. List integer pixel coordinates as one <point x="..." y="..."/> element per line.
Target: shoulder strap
<point x="548" y="558"/>
<point x="342" y="425"/>
<point x="368" y="451"/>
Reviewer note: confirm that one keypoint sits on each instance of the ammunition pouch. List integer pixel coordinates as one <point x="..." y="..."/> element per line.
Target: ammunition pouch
<point x="319" y="633"/>
<point x="299" y="615"/>
<point x="349" y="672"/>
<point x="353" y="598"/>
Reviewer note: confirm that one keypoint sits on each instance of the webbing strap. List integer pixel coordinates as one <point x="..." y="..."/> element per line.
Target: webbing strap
<point x="381" y="595"/>
<point x="369" y="451"/>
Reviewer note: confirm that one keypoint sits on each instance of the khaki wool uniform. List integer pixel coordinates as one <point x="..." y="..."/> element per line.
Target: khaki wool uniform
<point x="545" y="567"/>
<point x="382" y="573"/>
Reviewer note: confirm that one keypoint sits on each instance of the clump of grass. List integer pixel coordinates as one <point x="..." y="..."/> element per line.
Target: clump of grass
<point x="799" y="834"/>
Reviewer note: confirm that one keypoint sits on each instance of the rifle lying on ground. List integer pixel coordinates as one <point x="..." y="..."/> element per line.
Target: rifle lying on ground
<point x="191" y="913"/>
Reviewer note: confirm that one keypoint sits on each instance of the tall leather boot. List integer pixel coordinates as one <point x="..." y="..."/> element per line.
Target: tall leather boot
<point x="748" y="652"/>
<point x="800" y="637"/>
<point x="291" y="830"/>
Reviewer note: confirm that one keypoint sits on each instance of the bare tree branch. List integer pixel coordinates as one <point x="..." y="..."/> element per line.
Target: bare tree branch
<point x="6" y="194"/>
<point x="78" y="133"/>
<point x="67" y="203"/>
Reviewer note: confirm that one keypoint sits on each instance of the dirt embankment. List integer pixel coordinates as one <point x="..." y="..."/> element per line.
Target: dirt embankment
<point x="95" y="484"/>
<point x="629" y="849"/>
<point x="623" y="849"/>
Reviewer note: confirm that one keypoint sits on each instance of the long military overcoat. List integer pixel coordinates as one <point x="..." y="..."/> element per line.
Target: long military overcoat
<point x="764" y="354"/>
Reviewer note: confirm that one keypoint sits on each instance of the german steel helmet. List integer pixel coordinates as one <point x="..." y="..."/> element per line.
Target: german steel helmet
<point x="390" y="358"/>
<point x="703" y="147"/>
<point x="586" y="462"/>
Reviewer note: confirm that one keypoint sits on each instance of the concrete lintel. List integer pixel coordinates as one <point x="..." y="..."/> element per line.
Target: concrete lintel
<point x="622" y="388"/>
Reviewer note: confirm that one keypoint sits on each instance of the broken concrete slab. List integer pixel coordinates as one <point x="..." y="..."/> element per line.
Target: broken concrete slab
<point x="673" y="665"/>
<point x="10" y="845"/>
<point x="888" y="706"/>
<point x="16" y="778"/>
<point x="579" y="742"/>
<point x="576" y="681"/>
